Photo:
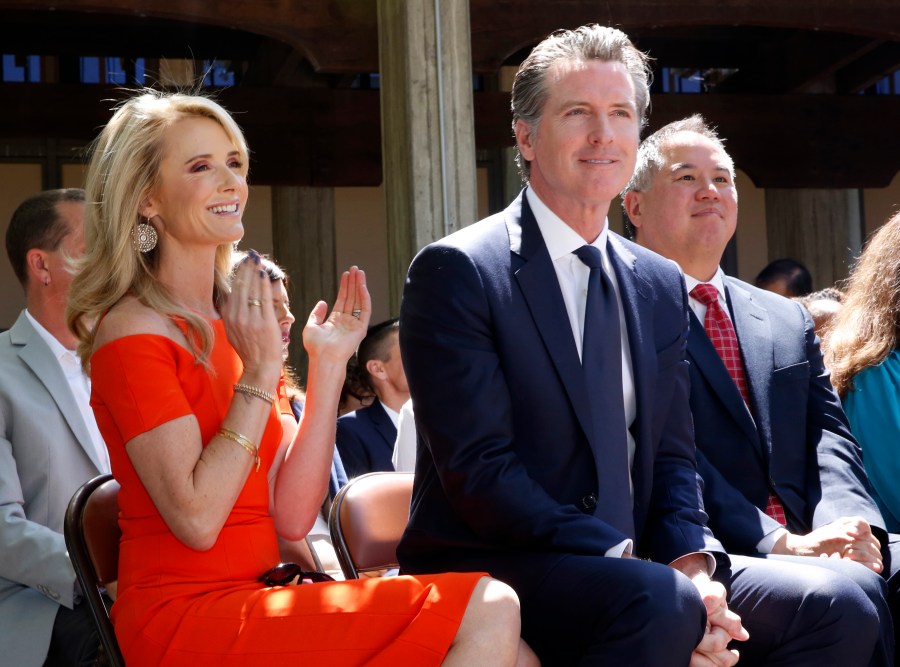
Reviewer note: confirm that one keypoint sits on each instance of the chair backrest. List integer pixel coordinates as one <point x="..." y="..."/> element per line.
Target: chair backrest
<point x="368" y="517"/>
<point x="92" y="535"/>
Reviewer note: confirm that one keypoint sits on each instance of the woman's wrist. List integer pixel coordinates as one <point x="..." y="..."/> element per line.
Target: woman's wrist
<point x="264" y="379"/>
<point x="327" y="370"/>
<point x="255" y="392"/>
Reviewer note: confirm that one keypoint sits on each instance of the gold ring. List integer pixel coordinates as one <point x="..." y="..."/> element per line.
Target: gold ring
<point x="254" y="302"/>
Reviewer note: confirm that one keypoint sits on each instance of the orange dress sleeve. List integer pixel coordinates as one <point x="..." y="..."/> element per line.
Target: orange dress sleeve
<point x="135" y="381"/>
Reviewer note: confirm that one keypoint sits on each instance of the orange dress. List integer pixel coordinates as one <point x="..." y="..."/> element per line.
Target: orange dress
<point x="179" y="606"/>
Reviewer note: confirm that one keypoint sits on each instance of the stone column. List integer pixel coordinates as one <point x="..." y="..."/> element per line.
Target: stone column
<point x="427" y="126"/>
<point x="821" y="228"/>
<point x="303" y="243"/>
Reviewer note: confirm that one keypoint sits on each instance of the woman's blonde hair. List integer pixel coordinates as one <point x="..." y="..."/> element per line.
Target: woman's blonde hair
<point x="864" y="332"/>
<point x="123" y="171"/>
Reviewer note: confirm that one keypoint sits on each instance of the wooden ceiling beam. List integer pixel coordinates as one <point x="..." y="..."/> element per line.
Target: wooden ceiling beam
<point x="501" y="28"/>
<point x="798" y="62"/>
<point x="335" y="35"/>
<point x="341" y="36"/>
<point x="331" y="137"/>
<point x="865" y="71"/>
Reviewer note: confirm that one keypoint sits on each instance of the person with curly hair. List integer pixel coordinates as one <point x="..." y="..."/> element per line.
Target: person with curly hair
<point x="862" y="353"/>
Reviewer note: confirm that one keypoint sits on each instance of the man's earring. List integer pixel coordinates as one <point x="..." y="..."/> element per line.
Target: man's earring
<point x="144" y="236"/>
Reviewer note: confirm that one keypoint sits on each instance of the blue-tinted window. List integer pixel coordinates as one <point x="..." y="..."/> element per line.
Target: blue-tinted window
<point x="34" y="69"/>
<point x="690" y="81"/>
<point x="90" y="69"/>
<point x="115" y="71"/>
<point x="18" y="69"/>
<point x="886" y="85"/>
<point x="677" y="80"/>
<point x="368" y="81"/>
<point x="139" y="71"/>
<point x="218" y="74"/>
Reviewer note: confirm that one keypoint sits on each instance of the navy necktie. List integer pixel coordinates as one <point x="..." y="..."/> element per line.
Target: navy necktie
<point x="601" y="360"/>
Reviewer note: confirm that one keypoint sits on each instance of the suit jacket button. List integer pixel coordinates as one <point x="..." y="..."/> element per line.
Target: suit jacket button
<point x="589" y="501"/>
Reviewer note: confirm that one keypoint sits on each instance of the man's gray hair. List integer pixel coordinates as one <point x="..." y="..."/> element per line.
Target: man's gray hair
<point x="589" y="42"/>
<point x="649" y="156"/>
<point x="650" y="160"/>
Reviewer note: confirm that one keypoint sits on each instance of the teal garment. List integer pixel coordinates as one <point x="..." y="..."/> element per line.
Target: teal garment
<point x="873" y="408"/>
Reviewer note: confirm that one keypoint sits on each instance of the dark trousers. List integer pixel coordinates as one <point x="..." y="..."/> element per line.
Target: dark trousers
<point x="74" y="641"/>
<point x="812" y="612"/>
<point x="591" y="611"/>
<point x="890" y="551"/>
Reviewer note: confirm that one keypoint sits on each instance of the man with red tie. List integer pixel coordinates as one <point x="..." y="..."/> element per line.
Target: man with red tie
<point x="783" y="475"/>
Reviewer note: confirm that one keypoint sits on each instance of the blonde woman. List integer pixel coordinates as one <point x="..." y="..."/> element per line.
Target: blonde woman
<point x="185" y="369"/>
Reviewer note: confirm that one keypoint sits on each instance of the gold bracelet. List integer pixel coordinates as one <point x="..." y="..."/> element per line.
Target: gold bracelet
<point x="250" y="390"/>
<point x="243" y="441"/>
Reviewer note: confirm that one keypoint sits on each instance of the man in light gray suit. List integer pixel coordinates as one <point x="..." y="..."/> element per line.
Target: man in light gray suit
<point x="49" y="442"/>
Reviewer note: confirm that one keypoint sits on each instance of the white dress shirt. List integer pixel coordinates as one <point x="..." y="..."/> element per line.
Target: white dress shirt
<point x="404" y="458"/>
<point x="572" y="274"/>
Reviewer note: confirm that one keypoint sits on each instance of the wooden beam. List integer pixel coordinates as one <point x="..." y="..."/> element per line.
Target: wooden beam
<point x="867" y="70"/>
<point x="500" y="28"/>
<point x="799" y="62"/>
<point x="335" y="35"/>
<point x="326" y="137"/>
<point x="74" y="34"/>
<point x="298" y="136"/>
<point x="780" y="141"/>
<point x="341" y="35"/>
<point x="799" y="141"/>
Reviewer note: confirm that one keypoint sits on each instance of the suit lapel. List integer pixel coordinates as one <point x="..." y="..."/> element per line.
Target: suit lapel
<point x="636" y="295"/>
<point x="540" y="287"/>
<point x="754" y="333"/>
<point x="382" y="422"/>
<point x="708" y="363"/>
<point x="37" y="356"/>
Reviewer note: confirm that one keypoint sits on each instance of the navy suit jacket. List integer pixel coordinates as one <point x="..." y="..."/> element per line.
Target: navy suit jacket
<point x="365" y="439"/>
<point x="797" y="438"/>
<point x="505" y="456"/>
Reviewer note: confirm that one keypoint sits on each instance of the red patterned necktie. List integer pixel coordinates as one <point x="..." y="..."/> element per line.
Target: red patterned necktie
<point x="721" y="333"/>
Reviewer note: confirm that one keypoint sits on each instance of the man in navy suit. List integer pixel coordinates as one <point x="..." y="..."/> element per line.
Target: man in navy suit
<point x="556" y="445"/>
<point x="365" y="438"/>
<point x="783" y="475"/>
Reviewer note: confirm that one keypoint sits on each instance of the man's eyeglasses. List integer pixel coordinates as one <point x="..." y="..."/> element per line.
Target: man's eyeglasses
<point x="284" y="573"/>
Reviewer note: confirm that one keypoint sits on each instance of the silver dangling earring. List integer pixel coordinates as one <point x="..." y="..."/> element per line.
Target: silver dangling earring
<point x="144" y="236"/>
